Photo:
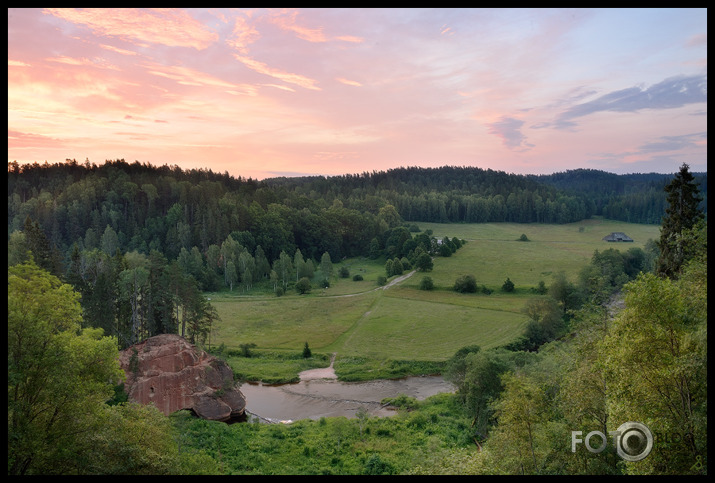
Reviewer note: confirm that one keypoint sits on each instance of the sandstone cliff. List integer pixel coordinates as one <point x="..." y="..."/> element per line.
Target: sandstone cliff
<point x="171" y="373"/>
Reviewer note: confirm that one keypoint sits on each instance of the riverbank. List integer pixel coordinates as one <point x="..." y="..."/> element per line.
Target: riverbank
<point x="315" y="398"/>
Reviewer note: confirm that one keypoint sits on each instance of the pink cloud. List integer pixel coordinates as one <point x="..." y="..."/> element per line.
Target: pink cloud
<point x="348" y="82"/>
<point x="17" y="139"/>
<point x="287" y="20"/>
<point x="244" y="34"/>
<point x="288" y="77"/>
<point x="161" y="26"/>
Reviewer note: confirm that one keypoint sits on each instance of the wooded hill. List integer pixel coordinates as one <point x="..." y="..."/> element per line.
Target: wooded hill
<point x="167" y="208"/>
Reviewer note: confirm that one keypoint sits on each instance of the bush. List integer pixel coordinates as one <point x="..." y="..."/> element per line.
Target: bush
<point x="401" y="401"/>
<point x="426" y="283"/>
<point x="375" y="465"/>
<point x="246" y="349"/>
<point x="303" y="286"/>
<point x="357" y="278"/>
<point x="523" y="238"/>
<point x="508" y="285"/>
<point x="466" y="284"/>
<point x="344" y="272"/>
<point x="381" y="280"/>
<point x="541" y="289"/>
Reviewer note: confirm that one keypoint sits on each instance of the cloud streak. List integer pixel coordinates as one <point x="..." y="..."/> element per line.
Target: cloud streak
<point x="670" y="93"/>
<point x="160" y="26"/>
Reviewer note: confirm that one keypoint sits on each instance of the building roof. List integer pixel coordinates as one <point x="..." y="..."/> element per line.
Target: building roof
<point x="617" y="236"/>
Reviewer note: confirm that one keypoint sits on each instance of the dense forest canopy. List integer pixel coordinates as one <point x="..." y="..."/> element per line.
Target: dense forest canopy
<point x="167" y="208"/>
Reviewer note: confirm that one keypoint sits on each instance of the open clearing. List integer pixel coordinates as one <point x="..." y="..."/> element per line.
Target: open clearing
<point x="405" y="323"/>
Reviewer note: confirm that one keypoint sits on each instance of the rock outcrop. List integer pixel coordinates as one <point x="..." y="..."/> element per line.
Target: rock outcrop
<point x="169" y="372"/>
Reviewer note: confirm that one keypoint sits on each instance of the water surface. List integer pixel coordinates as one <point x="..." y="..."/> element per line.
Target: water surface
<point x="315" y="398"/>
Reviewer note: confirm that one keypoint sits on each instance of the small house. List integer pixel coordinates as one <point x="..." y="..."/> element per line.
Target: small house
<point x="617" y="236"/>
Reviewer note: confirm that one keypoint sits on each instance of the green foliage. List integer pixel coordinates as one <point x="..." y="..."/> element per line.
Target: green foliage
<point x="375" y="465"/>
<point x="445" y="250"/>
<point x="357" y="277"/>
<point x="655" y="359"/>
<point x="508" y="286"/>
<point x="523" y="238"/>
<point x="326" y="265"/>
<point x="59" y="378"/>
<point x="682" y="215"/>
<point x="303" y="286"/>
<point x="465" y="284"/>
<point x="246" y="348"/>
<point x="424" y="262"/>
<point x="401" y="401"/>
<point x="608" y="271"/>
<point x="358" y="446"/>
<point x="307" y="352"/>
<point x="426" y="283"/>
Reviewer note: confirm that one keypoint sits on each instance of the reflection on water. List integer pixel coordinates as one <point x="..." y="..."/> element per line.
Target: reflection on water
<point x="325" y="397"/>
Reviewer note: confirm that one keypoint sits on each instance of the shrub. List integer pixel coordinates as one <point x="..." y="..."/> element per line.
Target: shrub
<point x="401" y="401"/>
<point x="344" y="272"/>
<point x="375" y="465"/>
<point x="381" y="280"/>
<point x="523" y="238"/>
<point x="426" y="283"/>
<point x="246" y="349"/>
<point x="357" y="277"/>
<point x="466" y="284"/>
<point x="303" y="285"/>
<point x="508" y="285"/>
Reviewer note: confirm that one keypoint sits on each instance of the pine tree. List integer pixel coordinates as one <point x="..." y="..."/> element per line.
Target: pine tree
<point x="682" y="215"/>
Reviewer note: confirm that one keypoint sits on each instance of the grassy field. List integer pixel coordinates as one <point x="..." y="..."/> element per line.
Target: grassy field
<point x="401" y="322"/>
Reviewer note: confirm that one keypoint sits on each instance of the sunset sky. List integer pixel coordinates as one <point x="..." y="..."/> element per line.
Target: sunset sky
<point x="262" y="93"/>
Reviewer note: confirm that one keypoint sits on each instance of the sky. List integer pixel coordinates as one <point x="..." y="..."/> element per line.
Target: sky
<point x="290" y="92"/>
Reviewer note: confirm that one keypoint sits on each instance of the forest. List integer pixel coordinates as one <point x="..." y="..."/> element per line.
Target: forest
<point x="100" y="257"/>
<point x="141" y="243"/>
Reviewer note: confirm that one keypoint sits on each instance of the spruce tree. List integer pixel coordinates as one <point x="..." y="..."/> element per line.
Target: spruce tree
<point x="681" y="216"/>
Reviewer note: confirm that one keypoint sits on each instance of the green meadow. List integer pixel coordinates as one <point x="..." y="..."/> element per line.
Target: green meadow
<point x="358" y="320"/>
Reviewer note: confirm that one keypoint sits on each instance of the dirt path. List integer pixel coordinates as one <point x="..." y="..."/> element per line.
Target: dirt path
<point x="320" y="373"/>
<point x="384" y="287"/>
<point x="398" y="280"/>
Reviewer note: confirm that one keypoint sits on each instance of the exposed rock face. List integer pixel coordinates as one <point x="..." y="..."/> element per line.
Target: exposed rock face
<point x="169" y="372"/>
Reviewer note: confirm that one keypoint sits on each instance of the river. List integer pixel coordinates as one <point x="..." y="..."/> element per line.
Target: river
<point x="316" y="397"/>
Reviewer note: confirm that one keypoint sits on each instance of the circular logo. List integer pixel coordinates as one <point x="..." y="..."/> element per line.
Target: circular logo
<point x="634" y="441"/>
